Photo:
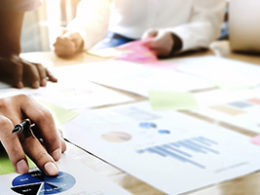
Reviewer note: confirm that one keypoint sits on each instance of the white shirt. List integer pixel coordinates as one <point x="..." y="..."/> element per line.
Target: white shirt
<point x="196" y="22"/>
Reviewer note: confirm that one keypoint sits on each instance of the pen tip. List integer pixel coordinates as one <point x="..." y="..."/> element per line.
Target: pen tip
<point x="16" y="130"/>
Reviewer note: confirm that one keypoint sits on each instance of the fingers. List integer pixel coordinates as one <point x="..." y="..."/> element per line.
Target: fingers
<point x="32" y="75"/>
<point x="13" y="146"/>
<point x="63" y="145"/>
<point x="46" y="126"/>
<point x="42" y="74"/>
<point x="68" y="44"/>
<point x="65" y="47"/>
<point x="162" y="44"/>
<point x="34" y="149"/>
<point x="44" y="152"/>
<point x="150" y="33"/>
<point x="18" y="76"/>
<point x="50" y="76"/>
<point x="37" y="75"/>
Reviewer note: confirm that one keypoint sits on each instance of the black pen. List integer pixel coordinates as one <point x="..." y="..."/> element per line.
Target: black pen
<point x="26" y="124"/>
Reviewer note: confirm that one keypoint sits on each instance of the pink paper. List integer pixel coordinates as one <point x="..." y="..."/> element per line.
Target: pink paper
<point x="136" y="52"/>
<point x="256" y="140"/>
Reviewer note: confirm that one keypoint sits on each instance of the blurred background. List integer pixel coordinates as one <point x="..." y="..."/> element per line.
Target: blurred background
<point x="41" y="26"/>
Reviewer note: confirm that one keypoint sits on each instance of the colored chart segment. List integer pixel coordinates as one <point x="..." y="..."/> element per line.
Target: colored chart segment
<point x="116" y="136"/>
<point x="184" y="150"/>
<point x="37" y="183"/>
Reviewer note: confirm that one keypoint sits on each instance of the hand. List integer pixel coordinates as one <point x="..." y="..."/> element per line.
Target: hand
<point x="160" y="42"/>
<point x="45" y="152"/>
<point x="68" y="44"/>
<point x="20" y="72"/>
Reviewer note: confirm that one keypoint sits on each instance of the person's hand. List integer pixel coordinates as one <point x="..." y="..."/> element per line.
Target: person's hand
<point x="68" y="44"/>
<point x="20" y="72"/>
<point x="45" y="152"/>
<point x="161" y="43"/>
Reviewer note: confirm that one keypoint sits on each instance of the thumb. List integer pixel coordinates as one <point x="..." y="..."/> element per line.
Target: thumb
<point x="151" y="33"/>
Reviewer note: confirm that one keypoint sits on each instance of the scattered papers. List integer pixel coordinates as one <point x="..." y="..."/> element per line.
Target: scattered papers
<point x="140" y="79"/>
<point x="165" y="100"/>
<point x="60" y="114"/>
<point x="240" y="108"/>
<point x="73" y="178"/>
<point x="164" y="148"/>
<point x="73" y="91"/>
<point x="225" y="73"/>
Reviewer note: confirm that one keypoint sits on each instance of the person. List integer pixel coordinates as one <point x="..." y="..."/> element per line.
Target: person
<point x="14" y="69"/>
<point x="48" y="148"/>
<point x="45" y="151"/>
<point x="172" y="26"/>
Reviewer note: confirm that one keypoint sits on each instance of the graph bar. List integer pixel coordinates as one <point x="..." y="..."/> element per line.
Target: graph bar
<point x="178" y="150"/>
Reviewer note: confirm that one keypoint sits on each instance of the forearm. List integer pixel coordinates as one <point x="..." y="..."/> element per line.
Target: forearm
<point x="10" y="31"/>
<point x="91" y="21"/>
<point x="204" y="25"/>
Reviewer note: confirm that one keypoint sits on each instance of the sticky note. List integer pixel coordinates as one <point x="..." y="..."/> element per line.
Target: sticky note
<point x="165" y="100"/>
<point x="6" y="166"/>
<point x="234" y="85"/>
<point x="61" y="115"/>
<point x="256" y="140"/>
<point x="136" y="52"/>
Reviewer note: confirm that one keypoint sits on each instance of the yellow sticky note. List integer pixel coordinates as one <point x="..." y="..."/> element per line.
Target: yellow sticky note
<point x="168" y="100"/>
<point x="61" y="115"/>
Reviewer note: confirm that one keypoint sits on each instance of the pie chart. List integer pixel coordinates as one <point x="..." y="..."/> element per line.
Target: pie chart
<point x="116" y="136"/>
<point x="37" y="183"/>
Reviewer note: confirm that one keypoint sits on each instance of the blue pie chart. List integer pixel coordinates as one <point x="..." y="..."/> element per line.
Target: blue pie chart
<point x="37" y="183"/>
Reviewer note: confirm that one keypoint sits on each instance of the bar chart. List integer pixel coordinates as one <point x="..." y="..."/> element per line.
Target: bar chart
<point x="184" y="150"/>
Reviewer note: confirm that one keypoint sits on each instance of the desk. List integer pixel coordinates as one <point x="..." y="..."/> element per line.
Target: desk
<point x="245" y="185"/>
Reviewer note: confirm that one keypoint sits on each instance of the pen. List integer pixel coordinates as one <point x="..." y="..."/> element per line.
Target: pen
<point x="26" y="124"/>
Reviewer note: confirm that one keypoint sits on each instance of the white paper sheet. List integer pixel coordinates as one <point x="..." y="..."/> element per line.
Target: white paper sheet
<point x="168" y="150"/>
<point x="72" y="91"/>
<point x="219" y="70"/>
<point x="140" y="79"/>
<point x="240" y="108"/>
<point x="74" y="178"/>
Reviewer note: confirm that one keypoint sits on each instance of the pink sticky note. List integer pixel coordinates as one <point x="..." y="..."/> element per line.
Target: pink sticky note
<point x="136" y="51"/>
<point x="256" y="140"/>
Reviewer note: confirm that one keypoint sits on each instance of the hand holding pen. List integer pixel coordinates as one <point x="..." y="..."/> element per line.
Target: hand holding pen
<point x="43" y="150"/>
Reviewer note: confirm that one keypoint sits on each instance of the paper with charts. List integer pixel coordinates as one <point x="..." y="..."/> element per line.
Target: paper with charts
<point x="72" y="91"/>
<point x="141" y="78"/>
<point x="168" y="150"/>
<point x="73" y="178"/>
<point x="225" y="73"/>
<point x="240" y="108"/>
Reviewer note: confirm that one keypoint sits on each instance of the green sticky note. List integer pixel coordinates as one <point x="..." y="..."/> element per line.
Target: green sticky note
<point x="234" y="85"/>
<point x="168" y="100"/>
<point x="61" y="115"/>
<point x="6" y="166"/>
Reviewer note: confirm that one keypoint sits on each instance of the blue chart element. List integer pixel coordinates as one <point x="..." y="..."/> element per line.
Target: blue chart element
<point x="164" y="131"/>
<point x="37" y="183"/>
<point x="174" y="150"/>
<point x="240" y="104"/>
<point x="148" y="125"/>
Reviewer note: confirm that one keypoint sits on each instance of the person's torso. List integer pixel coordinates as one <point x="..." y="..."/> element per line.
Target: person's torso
<point x="133" y="17"/>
